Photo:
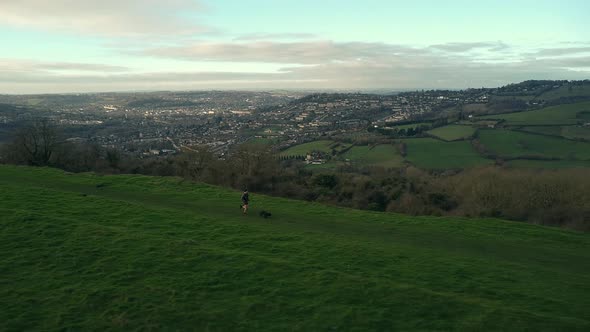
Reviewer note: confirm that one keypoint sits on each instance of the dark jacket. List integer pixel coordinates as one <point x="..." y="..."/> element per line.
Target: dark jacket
<point x="245" y="198"/>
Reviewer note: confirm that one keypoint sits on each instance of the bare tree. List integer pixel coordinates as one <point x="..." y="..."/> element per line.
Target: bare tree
<point x="36" y="142"/>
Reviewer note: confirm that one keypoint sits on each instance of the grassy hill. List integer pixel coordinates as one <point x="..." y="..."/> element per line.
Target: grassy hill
<point x="567" y="114"/>
<point x="90" y="252"/>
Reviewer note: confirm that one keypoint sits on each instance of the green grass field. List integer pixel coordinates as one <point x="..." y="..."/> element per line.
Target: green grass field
<point x="452" y="132"/>
<point x="383" y="155"/>
<point x="434" y="154"/>
<point x="566" y="91"/>
<point x="545" y="130"/>
<point x="321" y="145"/>
<point x="513" y="144"/>
<point x="576" y="132"/>
<point x="554" y="115"/>
<point x="261" y="141"/>
<point x="572" y="132"/>
<point x="408" y="126"/>
<point x="89" y="252"/>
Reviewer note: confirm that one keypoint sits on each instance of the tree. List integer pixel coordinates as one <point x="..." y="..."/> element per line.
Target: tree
<point x="35" y="143"/>
<point x="195" y="163"/>
<point x="254" y="166"/>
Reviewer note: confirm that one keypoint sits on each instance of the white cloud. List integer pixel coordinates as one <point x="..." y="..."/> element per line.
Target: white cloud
<point x="305" y="64"/>
<point x="113" y="18"/>
<point x="311" y="52"/>
<point x="465" y="47"/>
<point x="276" y="36"/>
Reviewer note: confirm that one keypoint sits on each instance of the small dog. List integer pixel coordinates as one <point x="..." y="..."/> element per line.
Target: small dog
<point x="265" y="214"/>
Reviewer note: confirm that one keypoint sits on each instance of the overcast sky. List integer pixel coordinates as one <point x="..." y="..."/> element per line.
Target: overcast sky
<point x="52" y="46"/>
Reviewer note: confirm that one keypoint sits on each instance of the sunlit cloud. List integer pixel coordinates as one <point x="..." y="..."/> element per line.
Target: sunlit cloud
<point x="112" y="18"/>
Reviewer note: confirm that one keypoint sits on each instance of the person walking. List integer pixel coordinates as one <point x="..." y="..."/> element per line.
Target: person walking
<point x="245" y="201"/>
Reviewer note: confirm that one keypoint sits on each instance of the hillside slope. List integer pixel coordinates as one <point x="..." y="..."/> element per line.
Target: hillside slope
<point x="89" y="252"/>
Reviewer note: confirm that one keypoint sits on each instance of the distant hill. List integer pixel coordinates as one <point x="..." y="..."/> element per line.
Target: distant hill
<point x="91" y="252"/>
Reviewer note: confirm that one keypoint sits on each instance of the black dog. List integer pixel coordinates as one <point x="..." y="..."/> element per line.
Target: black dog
<point x="265" y="214"/>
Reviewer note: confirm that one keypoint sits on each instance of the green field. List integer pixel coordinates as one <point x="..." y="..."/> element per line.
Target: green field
<point x="384" y="155"/>
<point x="576" y="132"/>
<point x="408" y="126"/>
<point x="565" y="91"/>
<point x="435" y="154"/>
<point x="513" y="144"/>
<point x="452" y="132"/>
<point x="572" y="132"/>
<point x="545" y="130"/>
<point x="261" y="141"/>
<point x="555" y="115"/>
<point x="322" y="145"/>
<point x="88" y="252"/>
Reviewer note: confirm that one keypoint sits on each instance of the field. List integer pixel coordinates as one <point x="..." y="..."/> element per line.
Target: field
<point x="88" y="252"/>
<point x="513" y="144"/>
<point x="576" y="132"/>
<point x="322" y="145"/>
<point x="383" y="155"/>
<point x="408" y="126"/>
<point x="564" y="91"/>
<point x="452" y="132"/>
<point x="432" y="153"/>
<point x="545" y="130"/>
<point x="572" y="132"/>
<point x="261" y="141"/>
<point x="555" y="115"/>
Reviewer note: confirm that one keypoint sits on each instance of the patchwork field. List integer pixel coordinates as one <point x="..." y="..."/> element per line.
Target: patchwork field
<point x="567" y="91"/>
<point x="513" y="144"/>
<point x="384" y="155"/>
<point x="572" y="132"/>
<point x="408" y="126"/>
<point x="321" y="145"/>
<point x="453" y="132"/>
<point x="88" y="252"/>
<point x="433" y="153"/>
<point x="566" y="114"/>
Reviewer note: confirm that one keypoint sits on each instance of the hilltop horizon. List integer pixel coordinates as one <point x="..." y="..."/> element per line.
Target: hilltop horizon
<point x="383" y="90"/>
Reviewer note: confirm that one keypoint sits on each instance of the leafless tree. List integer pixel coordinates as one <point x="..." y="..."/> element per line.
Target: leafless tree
<point x="36" y="142"/>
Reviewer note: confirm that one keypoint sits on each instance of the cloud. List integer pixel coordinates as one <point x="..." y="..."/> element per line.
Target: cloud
<point x="312" y="52"/>
<point x="304" y="65"/>
<point x="113" y="18"/>
<point x="562" y="51"/>
<point x="403" y="71"/>
<point x="466" y="47"/>
<point x="275" y="36"/>
<point x="31" y="66"/>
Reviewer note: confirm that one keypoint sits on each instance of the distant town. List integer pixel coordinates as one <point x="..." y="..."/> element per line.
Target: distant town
<point x="162" y="123"/>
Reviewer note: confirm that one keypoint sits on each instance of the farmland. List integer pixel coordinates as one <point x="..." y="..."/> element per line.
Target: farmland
<point x="431" y="153"/>
<point x="555" y="115"/>
<point x="384" y="155"/>
<point x="453" y="132"/>
<point x="322" y="146"/>
<point x="513" y="144"/>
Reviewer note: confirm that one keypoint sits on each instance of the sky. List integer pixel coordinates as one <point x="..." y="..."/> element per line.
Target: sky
<point x="69" y="46"/>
